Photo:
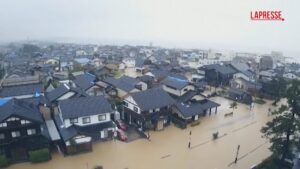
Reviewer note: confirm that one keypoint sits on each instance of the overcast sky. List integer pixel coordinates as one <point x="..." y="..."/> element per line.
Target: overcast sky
<point x="174" y="23"/>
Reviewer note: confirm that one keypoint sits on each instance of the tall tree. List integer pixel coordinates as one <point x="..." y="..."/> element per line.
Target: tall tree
<point x="282" y="130"/>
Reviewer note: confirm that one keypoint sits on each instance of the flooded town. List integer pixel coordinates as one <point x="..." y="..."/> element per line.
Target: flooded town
<point x="148" y="85"/>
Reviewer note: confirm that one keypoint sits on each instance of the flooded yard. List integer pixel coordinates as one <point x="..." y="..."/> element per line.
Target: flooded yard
<point x="168" y="149"/>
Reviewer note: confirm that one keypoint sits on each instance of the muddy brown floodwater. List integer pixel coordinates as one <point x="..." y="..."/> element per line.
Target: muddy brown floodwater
<point x="168" y="149"/>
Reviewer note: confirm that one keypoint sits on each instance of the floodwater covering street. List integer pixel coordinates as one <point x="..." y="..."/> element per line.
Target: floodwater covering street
<point x="168" y="149"/>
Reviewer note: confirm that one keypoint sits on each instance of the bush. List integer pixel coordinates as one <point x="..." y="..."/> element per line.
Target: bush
<point x="179" y="122"/>
<point x="195" y="123"/>
<point x="3" y="161"/>
<point x="40" y="155"/>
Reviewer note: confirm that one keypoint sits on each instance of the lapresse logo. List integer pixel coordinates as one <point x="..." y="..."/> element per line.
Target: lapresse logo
<point x="265" y="15"/>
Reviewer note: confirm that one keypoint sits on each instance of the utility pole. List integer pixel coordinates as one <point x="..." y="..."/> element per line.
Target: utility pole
<point x="237" y="154"/>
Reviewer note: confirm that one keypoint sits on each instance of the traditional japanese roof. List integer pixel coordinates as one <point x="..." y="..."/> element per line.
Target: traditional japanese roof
<point x="85" y="81"/>
<point x="61" y="90"/>
<point x="125" y="83"/>
<point x="20" y="90"/>
<point x="66" y="133"/>
<point x="220" y="68"/>
<point x="175" y="82"/>
<point x="152" y="99"/>
<point x="187" y="110"/>
<point x="236" y="91"/>
<point x="195" y="107"/>
<point x="178" y="76"/>
<point x="20" y="108"/>
<point x="84" y="106"/>
<point x="242" y="68"/>
<point x="146" y="78"/>
<point x="159" y="74"/>
<point x="186" y="97"/>
<point x="139" y="62"/>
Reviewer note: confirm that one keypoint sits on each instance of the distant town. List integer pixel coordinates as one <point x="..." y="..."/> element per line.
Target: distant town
<point x="63" y="102"/>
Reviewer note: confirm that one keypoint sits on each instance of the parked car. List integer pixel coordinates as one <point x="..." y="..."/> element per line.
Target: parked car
<point x="121" y="135"/>
<point x="121" y="125"/>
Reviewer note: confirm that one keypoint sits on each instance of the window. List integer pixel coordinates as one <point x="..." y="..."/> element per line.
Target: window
<point x="25" y="122"/>
<point x="31" y="131"/>
<point x="135" y="109"/>
<point x="2" y="136"/>
<point x="86" y="120"/>
<point x="15" y="134"/>
<point x="102" y="117"/>
<point x="73" y="120"/>
<point x="13" y="119"/>
<point x="3" y="125"/>
<point x="126" y="104"/>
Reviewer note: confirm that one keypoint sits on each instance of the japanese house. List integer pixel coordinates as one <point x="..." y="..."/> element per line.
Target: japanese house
<point x="148" y="109"/>
<point x="83" y="120"/>
<point x="22" y="129"/>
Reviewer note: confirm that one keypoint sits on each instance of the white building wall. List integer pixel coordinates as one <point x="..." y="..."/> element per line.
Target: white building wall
<point x="241" y="75"/>
<point x="172" y="91"/>
<point x="178" y="92"/>
<point x="66" y="96"/>
<point x="94" y="120"/>
<point x="131" y="104"/>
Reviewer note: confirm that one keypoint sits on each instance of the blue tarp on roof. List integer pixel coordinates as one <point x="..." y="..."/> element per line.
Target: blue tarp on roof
<point x="3" y="101"/>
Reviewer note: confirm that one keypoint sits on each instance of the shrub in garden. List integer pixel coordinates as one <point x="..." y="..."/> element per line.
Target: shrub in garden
<point x="40" y="155"/>
<point x="3" y="161"/>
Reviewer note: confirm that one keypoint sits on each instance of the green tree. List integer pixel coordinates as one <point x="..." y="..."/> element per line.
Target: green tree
<point x="233" y="106"/>
<point x="282" y="130"/>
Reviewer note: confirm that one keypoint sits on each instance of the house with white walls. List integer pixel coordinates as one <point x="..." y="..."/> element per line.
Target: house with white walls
<point x="83" y="120"/>
<point x="149" y="109"/>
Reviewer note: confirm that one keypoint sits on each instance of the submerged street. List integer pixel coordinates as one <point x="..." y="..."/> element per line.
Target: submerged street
<point x="168" y="149"/>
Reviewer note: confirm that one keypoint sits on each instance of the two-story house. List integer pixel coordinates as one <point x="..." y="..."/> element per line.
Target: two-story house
<point x="49" y="101"/>
<point x="148" y="109"/>
<point x="125" y="85"/>
<point x="83" y="120"/>
<point x="177" y="87"/>
<point x="22" y="129"/>
<point x="88" y="83"/>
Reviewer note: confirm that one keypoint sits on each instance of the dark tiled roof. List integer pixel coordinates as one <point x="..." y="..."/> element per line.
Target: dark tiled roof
<point x="139" y="62"/>
<point x="61" y="90"/>
<point x="220" y="68"/>
<point x="146" y="79"/>
<point x="84" y="106"/>
<point x="20" y="90"/>
<point x="20" y="108"/>
<point x="175" y="82"/>
<point x="236" y="91"/>
<point x="178" y="76"/>
<point x="152" y="98"/>
<point x="195" y="107"/>
<point x="188" y="110"/>
<point x="66" y="133"/>
<point x="125" y="83"/>
<point x="160" y="74"/>
<point x="186" y="97"/>
<point x="57" y="92"/>
<point x="85" y="81"/>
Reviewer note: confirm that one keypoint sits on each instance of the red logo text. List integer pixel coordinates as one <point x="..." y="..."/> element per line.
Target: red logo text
<point x="266" y="16"/>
